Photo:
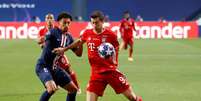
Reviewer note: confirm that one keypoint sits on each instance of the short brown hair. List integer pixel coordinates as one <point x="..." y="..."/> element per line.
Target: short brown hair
<point x="98" y="14"/>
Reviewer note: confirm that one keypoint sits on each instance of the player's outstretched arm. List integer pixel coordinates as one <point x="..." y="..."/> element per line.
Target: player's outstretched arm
<point x="74" y="45"/>
<point x="78" y="51"/>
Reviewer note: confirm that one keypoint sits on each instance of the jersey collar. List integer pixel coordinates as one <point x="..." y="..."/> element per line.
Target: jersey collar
<point x="103" y="30"/>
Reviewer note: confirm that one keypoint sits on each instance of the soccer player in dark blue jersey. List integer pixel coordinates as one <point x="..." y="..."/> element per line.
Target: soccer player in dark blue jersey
<point x="47" y="69"/>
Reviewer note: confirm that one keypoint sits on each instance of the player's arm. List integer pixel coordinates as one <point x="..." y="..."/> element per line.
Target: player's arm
<point x="116" y="46"/>
<point x="77" y="43"/>
<point x="41" y="39"/>
<point x="121" y="29"/>
<point x="78" y="50"/>
<point x="133" y="25"/>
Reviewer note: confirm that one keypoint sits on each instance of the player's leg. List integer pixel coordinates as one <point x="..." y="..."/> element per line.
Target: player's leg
<point x="130" y="51"/>
<point x="63" y="80"/>
<point x="121" y="86"/>
<point x="91" y="96"/>
<point x="72" y="91"/>
<point x="75" y="81"/>
<point x="123" y="44"/>
<point x="129" y="94"/>
<point x="96" y="87"/>
<point x="46" y="78"/>
<point x="65" y="64"/>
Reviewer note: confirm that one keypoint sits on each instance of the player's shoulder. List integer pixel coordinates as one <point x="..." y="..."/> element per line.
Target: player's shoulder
<point x="110" y="32"/>
<point x="132" y="19"/>
<point x="55" y="30"/>
<point x="122" y="20"/>
<point x="88" y="30"/>
<point x="69" y="34"/>
<point x="43" y="29"/>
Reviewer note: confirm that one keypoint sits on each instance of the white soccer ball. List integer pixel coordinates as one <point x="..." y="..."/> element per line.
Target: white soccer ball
<point x="106" y="50"/>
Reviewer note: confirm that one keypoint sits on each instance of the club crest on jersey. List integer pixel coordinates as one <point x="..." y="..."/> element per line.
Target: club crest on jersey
<point x="104" y="39"/>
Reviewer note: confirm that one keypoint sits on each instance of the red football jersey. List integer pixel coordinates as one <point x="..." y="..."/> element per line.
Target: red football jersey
<point x="127" y="27"/>
<point x="42" y="32"/>
<point x="94" y="40"/>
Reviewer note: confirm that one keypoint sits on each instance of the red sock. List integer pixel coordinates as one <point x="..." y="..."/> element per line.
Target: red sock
<point x="74" y="79"/>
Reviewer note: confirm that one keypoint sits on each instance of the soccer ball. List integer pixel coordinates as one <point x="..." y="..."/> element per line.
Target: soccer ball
<point x="106" y="50"/>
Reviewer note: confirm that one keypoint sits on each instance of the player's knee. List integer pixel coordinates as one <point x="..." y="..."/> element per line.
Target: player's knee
<point x="131" y="98"/>
<point x="50" y="90"/>
<point x="73" y="89"/>
<point x="51" y="87"/>
<point x="131" y="49"/>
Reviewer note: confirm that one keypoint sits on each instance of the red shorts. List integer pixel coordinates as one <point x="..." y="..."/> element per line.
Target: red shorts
<point x="63" y="62"/>
<point x="129" y="41"/>
<point x="115" y="79"/>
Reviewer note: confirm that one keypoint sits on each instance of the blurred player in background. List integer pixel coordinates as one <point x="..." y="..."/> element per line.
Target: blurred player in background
<point x="50" y="67"/>
<point x="126" y="29"/>
<point x="103" y="71"/>
<point x="49" y="19"/>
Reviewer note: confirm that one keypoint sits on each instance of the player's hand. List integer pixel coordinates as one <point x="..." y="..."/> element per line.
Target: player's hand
<point x="51" y="86"/>
<point x="59" y="51"/>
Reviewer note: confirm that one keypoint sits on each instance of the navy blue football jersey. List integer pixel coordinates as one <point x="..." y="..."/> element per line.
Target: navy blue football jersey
<point x="53" y="39"/>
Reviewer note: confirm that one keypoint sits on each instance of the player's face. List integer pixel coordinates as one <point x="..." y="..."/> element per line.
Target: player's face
<point x="49" y="19"/>
<point x="96" y="22"/>
<point x="127" y="15"/>
<point x="64" y="24"/>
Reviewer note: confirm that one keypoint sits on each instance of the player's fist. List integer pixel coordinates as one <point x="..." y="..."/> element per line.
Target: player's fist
<point x="59" y="50"/>
<point x="51" y="86"/>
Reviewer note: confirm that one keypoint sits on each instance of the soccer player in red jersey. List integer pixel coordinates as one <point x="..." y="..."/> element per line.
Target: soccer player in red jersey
<point x="103" y="71"/>
<point x="62" y="60"/>
<point x="49" y="18"/>
<point x="126" y="29"/>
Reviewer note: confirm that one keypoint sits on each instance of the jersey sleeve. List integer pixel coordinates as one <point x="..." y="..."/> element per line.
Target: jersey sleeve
<point x="84" y="36"/>
<point x="133" y="24"/>
<point x="121" y="29"/>
<point x="41" y="39"/>
<point x="40" y="33"/>
<point x="116" y="46"/>
<point x="115" y="41"/>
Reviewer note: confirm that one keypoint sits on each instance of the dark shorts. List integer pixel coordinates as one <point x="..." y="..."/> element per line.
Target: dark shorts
<point x="59" y="76"/>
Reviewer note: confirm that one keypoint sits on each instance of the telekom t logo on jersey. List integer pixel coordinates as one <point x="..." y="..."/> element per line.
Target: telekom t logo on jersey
<point x="91" y="46"/>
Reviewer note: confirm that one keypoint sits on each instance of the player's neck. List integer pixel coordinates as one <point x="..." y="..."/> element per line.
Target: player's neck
<point x="127" y="19"/>
<point x="98" y="30"/>
<point x="49" y="27"/>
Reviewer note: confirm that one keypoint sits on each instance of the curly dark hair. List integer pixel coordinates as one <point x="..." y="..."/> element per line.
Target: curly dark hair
<point x="64" y="15"/>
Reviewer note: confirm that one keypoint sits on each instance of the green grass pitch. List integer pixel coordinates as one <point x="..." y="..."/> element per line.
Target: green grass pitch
<point x="163" y="70"/>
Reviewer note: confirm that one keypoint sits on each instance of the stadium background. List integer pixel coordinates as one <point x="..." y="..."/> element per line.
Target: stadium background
<point x="163" y="69"/>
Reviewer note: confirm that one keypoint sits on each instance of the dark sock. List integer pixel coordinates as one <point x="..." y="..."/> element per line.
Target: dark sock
<point x="45" y="96"/>
<point x="71" y="97"/>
